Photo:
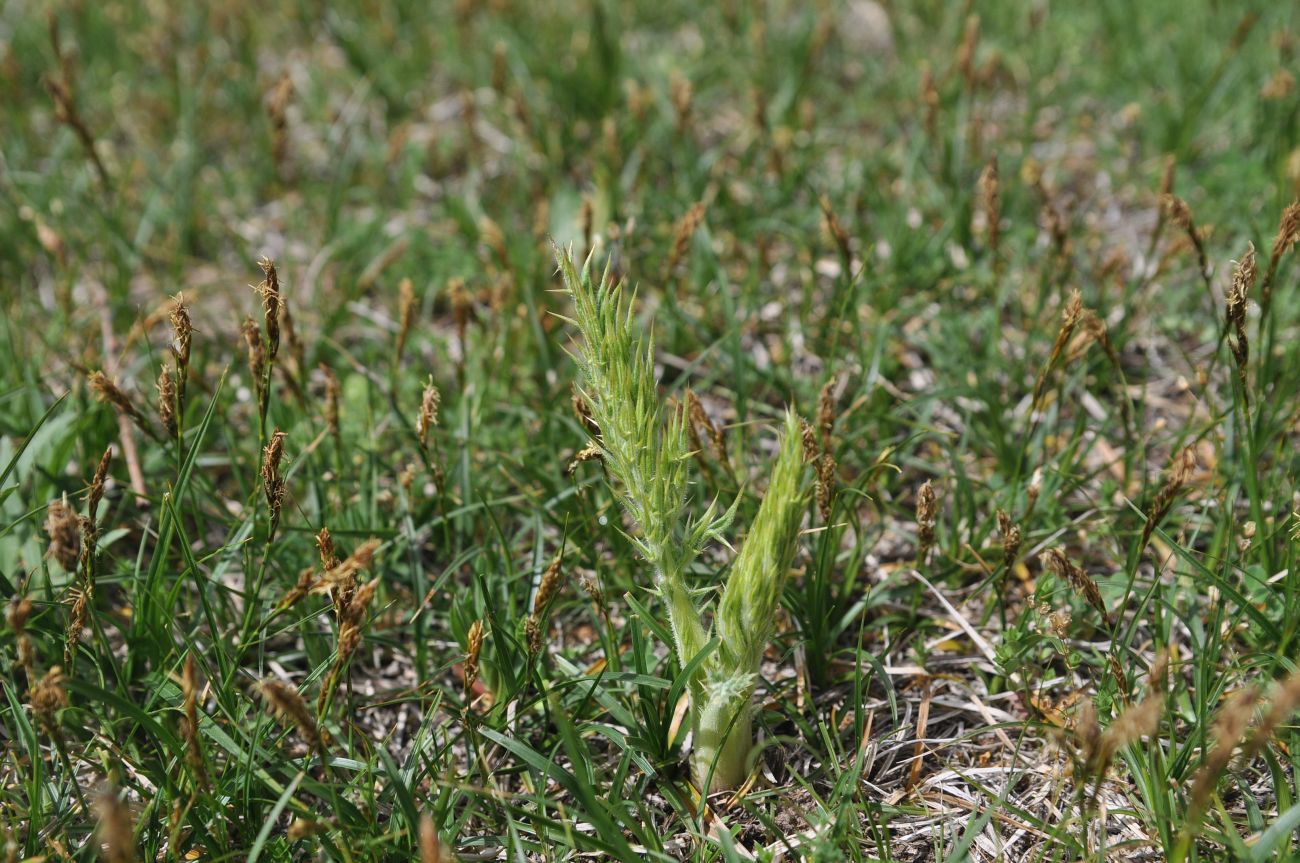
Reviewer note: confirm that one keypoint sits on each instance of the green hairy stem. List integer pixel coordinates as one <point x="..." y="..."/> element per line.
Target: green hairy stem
<point x="647" y="455"/>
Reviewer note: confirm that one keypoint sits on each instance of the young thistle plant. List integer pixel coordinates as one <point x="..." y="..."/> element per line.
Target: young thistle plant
<point x="647" y="454"/>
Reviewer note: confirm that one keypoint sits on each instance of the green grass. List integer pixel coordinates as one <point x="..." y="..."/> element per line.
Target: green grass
<point x="906" y="709"/>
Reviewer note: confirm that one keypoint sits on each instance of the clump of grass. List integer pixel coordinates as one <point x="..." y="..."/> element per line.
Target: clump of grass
<point x="647" y="454"/>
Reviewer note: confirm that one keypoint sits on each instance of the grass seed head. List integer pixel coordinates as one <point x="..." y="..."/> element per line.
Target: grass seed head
<point x="682" y="94"/>
<point x="115" y="831"/>
<point x="1284" y="702"/>
<point x="341" y="579"/>
<point x="277" y="112"/>
<point x="1229" y="727"/>
<point x="495" y="240"/>
<point x="836" y="230"/>
<point x="700" y="418"/>
<point x="473" y="648"/>
<point x="824" y="486"/>
<point x="63" y="527"/>
<point x="288" y="706"/>
<point x="48" y="696"/>
<point x="167" y="401"/>
<point x="930" y="98"/>
<point x="256" y="354"/>
<point x="1087" y="732"/>
<point x="18" y="612"/>
<point x="430" y="400"/>
<point x="1139" y="721"/>
<point x="1010" y="539"/>
<point x="190" y="722"/>
<point x="991" y="200"/>
<point x="182" y="334"/>
<point x="582" y="410"/>
<point x="811" y="449"/>
<point x="270" y="291"/>
<point x="1180" y="214"/>
<point x="1243" y="279"/>
<point x="1288" y="233"/>
<point x="272" y="479"/>
<point x="78" y="620"/>
<point x="430" y="846"/>
<point x="107" y="391"/>
<point x="927" y="510"/>
<point x="591" y="452"/>
<point x="1278" y="87"/>
<point x="548" y="587"/>
<point x="686" y="227"/>
<point x="826" y="412"/>
<point x="325" y="543"/>
<point x="965" y="60"/>
<point x="300" y="589"/>
<point x="16" y="615"/>
<point x="1180" y="472"/>
<point x="1056" y="561"/>
<point x="1070" y="317"/>
<point x="406" y="317"/>
<point x="591" y="587"/>
<point x="1167" y="177"/>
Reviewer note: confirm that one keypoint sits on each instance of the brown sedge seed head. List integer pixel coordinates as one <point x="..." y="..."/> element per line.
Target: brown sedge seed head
<point x="430" y="400"/>
<point x="182" y="330"/>
<point x="167" y="400"/>
<point x="288" y="706"/>
<point x="270" y="291"/>
<point x="926" y="516"/>
<point x="406" y="315"/>
<point x="114" y="830"/>
<point x="473" y="647"/>
<point x="64" y="530"/>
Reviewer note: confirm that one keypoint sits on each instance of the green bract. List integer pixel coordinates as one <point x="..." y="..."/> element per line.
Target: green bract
<point x="646" y="452"/>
